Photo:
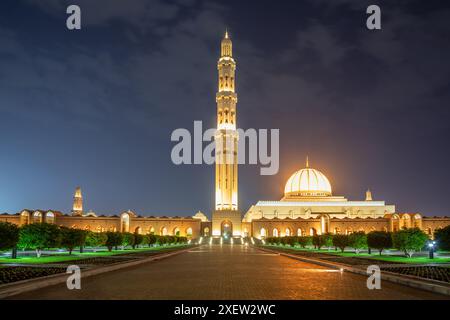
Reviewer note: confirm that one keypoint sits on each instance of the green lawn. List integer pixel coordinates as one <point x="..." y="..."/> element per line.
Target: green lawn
<point x="374" y="255"/>
<point x="64" y="256"/>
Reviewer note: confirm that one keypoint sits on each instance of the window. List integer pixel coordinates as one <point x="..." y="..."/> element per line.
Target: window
<point x="275" y="232"/>
<point x="263" y="233"/>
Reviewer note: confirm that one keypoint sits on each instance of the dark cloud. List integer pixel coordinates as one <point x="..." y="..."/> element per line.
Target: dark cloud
<point x="369" y="107"/>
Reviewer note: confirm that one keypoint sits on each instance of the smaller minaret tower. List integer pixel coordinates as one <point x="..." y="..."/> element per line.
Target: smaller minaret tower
<point x="77" y="209"/>
<point x="369" y="195"/>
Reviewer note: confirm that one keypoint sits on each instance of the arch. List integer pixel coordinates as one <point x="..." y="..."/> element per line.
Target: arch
<point x="37" y="217"/>
<point x="125" y="222"/>
<point x="87" y="228"/>
<point x="275" y="232"/>
<point x="299" y="232"/>
<point x="151" y="230"/>
<point x="24" y="217"/>
<point x="189" y="232"/>
<point x="138" y="230"/>
<point x="263" y="233"/>
<point x="406" y="221"/>
<point x="312" y="231"/>
<point x="50" y="217"/>
<point x="349" y="230"/>
<point x="176" y="232"/>
<point x="430" y="231"/>
<point x="395" y="222"/>
<point x="417" y="222"/>
<point x="206" y="232"/>
<point x="226" y="228"/>
<point x="163" y="231"/>
<point x="337" y="230"/>
<point x="245" y="232"/>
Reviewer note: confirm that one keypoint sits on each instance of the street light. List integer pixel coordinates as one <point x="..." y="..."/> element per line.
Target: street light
<point x="431" y="245"/>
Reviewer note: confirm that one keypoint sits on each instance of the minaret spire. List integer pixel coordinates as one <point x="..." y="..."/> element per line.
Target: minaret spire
<point x="369" y="195"/>
<point x="226" y="46"/>
<point x="77" y="209"/>
<point x="307" y="161"/>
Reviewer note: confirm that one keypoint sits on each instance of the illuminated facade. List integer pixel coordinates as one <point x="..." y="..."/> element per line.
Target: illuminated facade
<point x="309" y="207"/>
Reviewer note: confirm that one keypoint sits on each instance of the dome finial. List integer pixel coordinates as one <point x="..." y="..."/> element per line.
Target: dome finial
<point x="307" y="161"/>
<point x="226" y="33"/>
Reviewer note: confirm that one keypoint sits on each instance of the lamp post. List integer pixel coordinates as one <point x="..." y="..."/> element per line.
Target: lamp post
<point x="431" y="249"/>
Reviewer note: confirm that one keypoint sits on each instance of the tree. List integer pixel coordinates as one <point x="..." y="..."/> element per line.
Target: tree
<point x="138" y="239"/>
<point x="127" y="239"/>
<point x="182" y="239"/>
<point x="409" y="240"/>
<point x="379" y="240"/>
<point x="170" y="239"/>
<point x="151" y="239"/>
<point x="71" y="238"/>
<point x="113" y="239"/>
<point x="327" y="240"/>
<point x="318" y="241"/>
<point x="39" y="236"/>
<point x="292" y="241"/>
<point x="304" y="241"/>
<point x="442" y="237"/>
<point x="358" y="241"/>
<point x="161" y="240"/>
<point x="9" y="237"/>
<point x="340" y="241"/>
<point x="96" y="239"/>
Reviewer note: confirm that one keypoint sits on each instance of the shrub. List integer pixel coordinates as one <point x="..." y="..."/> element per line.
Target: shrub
<point x="113" y="239"/>
<point x="340" y="241"/>
<point x="409" y="240"/>
<point x="71" y="238"/>
<point x="442" y="237"/>
<point x="127" y="239"/>
<point x="39" y="236"/>
<point x="9" y="235"/>
<point x="358" y="241"/>
<point x="379" y="240"/>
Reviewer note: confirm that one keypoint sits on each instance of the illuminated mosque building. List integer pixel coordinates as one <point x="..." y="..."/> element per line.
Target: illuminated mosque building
<point x="307" y="208"/>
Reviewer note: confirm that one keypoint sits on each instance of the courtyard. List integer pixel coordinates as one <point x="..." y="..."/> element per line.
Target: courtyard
<point x="228" y="272"/>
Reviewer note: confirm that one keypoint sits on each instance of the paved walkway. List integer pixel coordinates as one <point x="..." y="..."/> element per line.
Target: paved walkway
<point x="228" y="272"/>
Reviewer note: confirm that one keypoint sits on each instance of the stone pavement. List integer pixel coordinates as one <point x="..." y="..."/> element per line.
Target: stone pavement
<point x="228" y="272"/>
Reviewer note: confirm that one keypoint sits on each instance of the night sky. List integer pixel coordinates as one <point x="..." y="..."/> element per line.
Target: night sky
<point x="96" y="107"/>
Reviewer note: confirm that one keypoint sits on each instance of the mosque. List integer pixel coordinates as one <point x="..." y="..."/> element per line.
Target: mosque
<point x="307" y="208"/>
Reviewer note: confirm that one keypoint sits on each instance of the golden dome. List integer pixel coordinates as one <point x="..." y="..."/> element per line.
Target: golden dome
<point x="308" y="182"/>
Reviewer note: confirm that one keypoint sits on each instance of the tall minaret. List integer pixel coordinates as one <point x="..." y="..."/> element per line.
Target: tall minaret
<point x="77" y="209"/>
<point x="226" y="137"/>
